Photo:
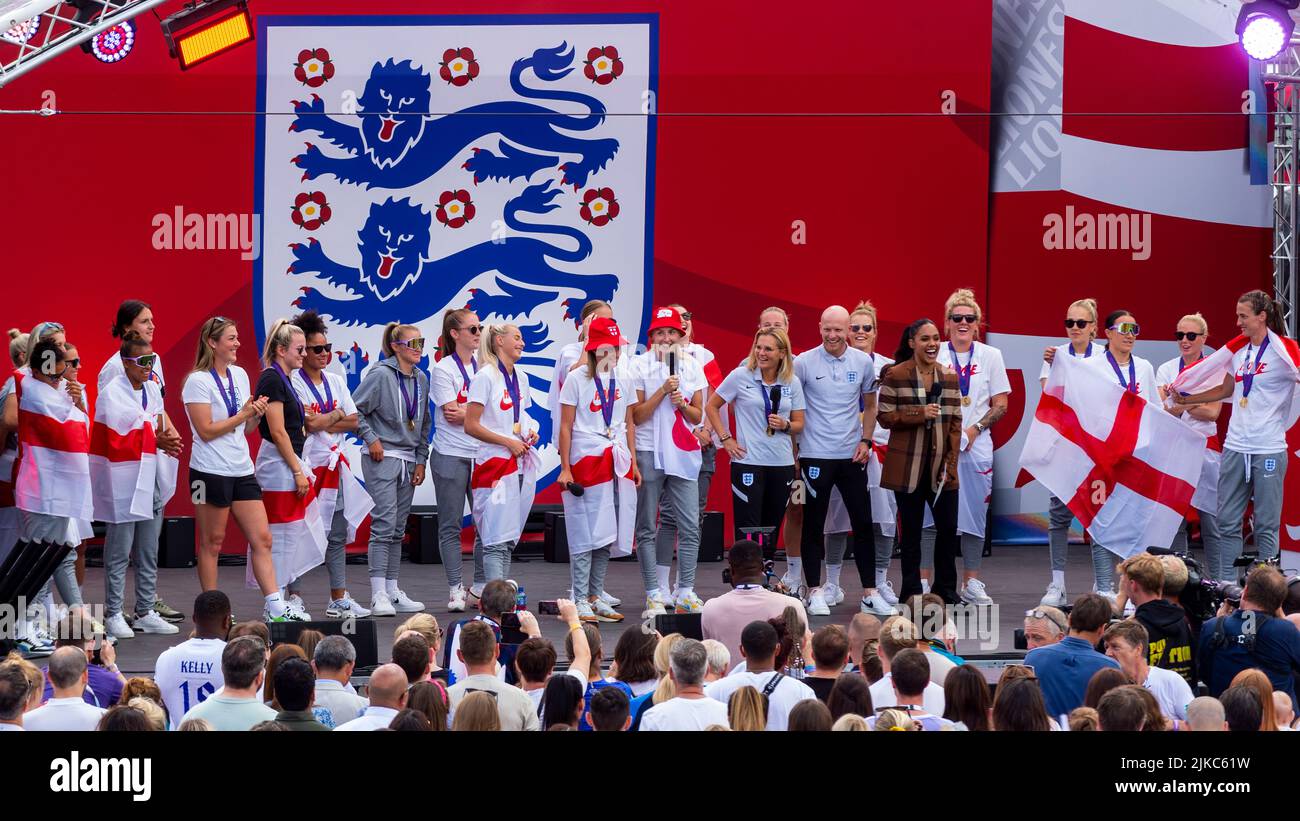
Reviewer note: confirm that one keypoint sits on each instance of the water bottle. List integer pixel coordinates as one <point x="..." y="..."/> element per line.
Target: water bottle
<point x="521" y="599"/>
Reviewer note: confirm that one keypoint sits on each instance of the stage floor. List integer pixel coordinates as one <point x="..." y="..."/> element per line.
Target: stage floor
<point x="1015" y="575"/>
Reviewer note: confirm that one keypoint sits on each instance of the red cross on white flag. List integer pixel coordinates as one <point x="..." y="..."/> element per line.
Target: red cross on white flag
<point x="1124" y="467"/>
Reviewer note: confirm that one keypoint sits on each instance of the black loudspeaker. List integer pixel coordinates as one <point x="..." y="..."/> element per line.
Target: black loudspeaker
<point x="690" y="625"/>
<point x="176" y="542"/>
<point x="363" y="633"/>
<point x="421" y="538"/>
<point x="711" y="537"/>
<point x="555" y="538"/>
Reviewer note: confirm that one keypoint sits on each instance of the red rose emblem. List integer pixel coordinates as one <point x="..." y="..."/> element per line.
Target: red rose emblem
<point x="313" y="68"/>
<point x="602" y="65"/>
<point x="458" y="66"/>
<point x="455" y="208"/>
<point x="310" y="210"/>
<point x="599" y="206"/>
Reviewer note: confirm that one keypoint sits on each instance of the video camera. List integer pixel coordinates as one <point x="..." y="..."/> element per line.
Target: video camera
<point x="1202" y="596"/>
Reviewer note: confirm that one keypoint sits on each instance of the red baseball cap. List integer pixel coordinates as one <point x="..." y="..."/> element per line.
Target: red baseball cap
<point x="603" y="331"/>
<point x="667" y="318"/>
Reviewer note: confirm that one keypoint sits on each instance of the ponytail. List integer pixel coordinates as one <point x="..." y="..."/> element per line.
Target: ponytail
<point x="1262" y="303"/>
<point x="391" y="331"/>
<point x="280" y="336"/>
<point x="905" y="351"/>
<point x="451" y="322"/>
<point x="213" y="330"/>
<point x="487" y="352"/>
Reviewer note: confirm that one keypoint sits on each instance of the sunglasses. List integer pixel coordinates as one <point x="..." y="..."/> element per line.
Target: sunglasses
<point x="1126" y="328"/>
<point x="72" y="363"/>
<point x="1190" y="336"/>
<point x="48" y="327"/>
<point x="1043" y="615"/>
<point x="471" y="329"/>
<point x="862" y="329"/>
<point x="1077" y="323"/>
<point x="960" y="318"/>
<point x="328" y="347"/>
<point x="416" y="344"/>
<point x="686" y="316"/>
<point x="145" y="361"/>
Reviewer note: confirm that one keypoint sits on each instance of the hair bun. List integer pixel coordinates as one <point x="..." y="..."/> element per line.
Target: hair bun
<point x="14" y="333"/>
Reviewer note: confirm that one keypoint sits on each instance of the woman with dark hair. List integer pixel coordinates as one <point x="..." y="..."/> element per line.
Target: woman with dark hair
<point x="810" y="715"/>
<point x="921" y="405"/>
<point x="121" y="718"/>
<point x="1018" y="707"/>
<point x="562" y="702"/>
<point x="966" y="698"/>
<point x="1101" y="683"/>
<point x="429" y="698"/>
<point x="851" y="695"/>
<point x="634" y="661"/>
<point x="409" y="720"/>
<point x="133" y="317"/>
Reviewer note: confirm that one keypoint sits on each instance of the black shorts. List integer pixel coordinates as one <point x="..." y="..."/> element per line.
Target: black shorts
<point x="220" y="491"/>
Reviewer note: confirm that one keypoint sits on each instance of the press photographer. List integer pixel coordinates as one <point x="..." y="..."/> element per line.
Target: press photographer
<point x="1253" y="636"/>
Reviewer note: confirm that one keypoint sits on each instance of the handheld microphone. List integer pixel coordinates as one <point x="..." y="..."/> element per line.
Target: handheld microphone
<point x="575" y="488"/>
<point x="774" y="396"/>
<point x="932" y="396"/>
<point x="672" y="363"/>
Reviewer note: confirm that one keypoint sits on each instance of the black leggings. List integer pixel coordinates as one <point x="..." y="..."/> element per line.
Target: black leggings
<point x="819" y="476"/>
<point x="911" y="513"/>
<point x="759" y="494"/>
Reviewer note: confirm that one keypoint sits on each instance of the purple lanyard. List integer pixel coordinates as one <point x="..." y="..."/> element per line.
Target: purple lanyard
<point x="606" y="399"/>
<point x="1182" y="364"/>
<point x="144" y="396"/>
<point x="963" y="374"/>
<point x="764" y="390"/>
<point x="512" y="387"/>
<point x="1248" y="378"/>
<point x="230" y="400"/>
<point x="302" y="413"/>
<point x="327" y="404"/>
<point x="411" y="403"/>
<point x="1087" y="352"/>
<point x="463" y="373"/>
<point x="1131" y="384"/>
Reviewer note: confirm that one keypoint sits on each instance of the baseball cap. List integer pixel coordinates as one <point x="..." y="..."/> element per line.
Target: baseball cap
<point x="667" y="318"/>
<point x="603" y="331"/>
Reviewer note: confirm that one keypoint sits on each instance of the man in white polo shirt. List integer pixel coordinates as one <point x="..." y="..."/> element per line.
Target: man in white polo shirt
<point x="839" y="417"/>
<point x="66" y="711"/>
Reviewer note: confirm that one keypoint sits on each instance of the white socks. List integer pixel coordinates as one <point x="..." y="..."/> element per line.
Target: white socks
<point x="275" y="604"/>
<point x="882" y="577"/>
<point x="833" y="574"/>
<point x="1058" y="578"/>
<point x="377" y="586"/>
<point x="391" y="587"/>
<point x="662" y="572"/>
<point x="794" y="566"/>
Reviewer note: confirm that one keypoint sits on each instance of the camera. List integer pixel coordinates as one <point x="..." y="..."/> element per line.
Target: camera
<point x="1202" y="597"/>
<point x="769" y="571"/>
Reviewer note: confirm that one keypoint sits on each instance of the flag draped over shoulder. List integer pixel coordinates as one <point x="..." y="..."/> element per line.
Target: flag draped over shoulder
<point x="53" y="475"/>
<point x="123" y="455"/>
<point x="297" y="531"/>
<point x="1212" y="370"/>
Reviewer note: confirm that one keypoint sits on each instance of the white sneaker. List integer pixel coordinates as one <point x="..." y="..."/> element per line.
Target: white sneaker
<point x="151" y="622"/>
<point x="610" y="600"/>
<point x="403" y="603"/>
<point x="289" y="614"/>
<point x="346" y="608"/>
<point x="381" y="605"/>
<point x="295" y="601"/>
<point x="654" y="605"/>
<point x="688" y="602"/>
<point x="118" y="628"/>
<point x="887" y="593"/>
<point x="876" y="605"/>
<point x="925" y="586"/>
<point x="832" y="593"/>
<point x="792" y="583"/>
<point x="456" y="599"/>
<point x="817" y="603"/>
<point x="973" y="593"/>
<point x="601" y="611"/>
<point x="1109" y="595"/>
<point x="1054" y="597"/>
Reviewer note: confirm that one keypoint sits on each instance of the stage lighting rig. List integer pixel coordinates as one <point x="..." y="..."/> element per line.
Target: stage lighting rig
<point x="201" y="31"/>
<point x="1264" y="27"/>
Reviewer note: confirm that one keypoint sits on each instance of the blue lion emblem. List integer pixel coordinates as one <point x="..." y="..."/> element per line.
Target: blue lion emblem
<point x="399" y="144"/>
<point x="396" y="280"/>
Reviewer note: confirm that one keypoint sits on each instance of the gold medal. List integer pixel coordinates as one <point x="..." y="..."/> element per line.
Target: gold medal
<point x="410" y="424"/>
<point x="771" y="432"/>
<point x="516" y="429"/>
<point x="1243" y="401"/>
<point x="609" y="433"/>
<point x="965" y="400"/>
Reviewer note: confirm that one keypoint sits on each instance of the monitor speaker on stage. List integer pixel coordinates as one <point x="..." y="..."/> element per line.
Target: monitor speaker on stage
<point x="690" y="625"/>
<point x="555" y="538"/>
<point x="176" y="542"/>
<point x="422" y="538"/>
<point x="363" y="634"/>
<point x="711" y="546"/>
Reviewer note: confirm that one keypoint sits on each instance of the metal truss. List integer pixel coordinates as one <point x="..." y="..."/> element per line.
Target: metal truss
<point x="60" y="26"/>
<point x="1283" y="74"/>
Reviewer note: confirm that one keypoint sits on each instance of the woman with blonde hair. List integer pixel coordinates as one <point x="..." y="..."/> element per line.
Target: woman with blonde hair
<point x="505" y="465"/>
<point x="477" y="713"/>
<point x="221" y="407"/>
<point x="1191" y="333"/>
<point x="393" y="420"/>
<point x="747" y="710"/>
<point x="767" y="403"/>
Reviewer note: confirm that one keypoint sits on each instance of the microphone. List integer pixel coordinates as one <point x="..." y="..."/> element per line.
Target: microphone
<point x="672" y="363"/>
<point x="575" y="488"/>
<point x="932" y="396"/>
<point x="774" y="396"/>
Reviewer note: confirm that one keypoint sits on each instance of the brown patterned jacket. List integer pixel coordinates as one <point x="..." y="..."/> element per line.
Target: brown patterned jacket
<point x="901" y="409"/>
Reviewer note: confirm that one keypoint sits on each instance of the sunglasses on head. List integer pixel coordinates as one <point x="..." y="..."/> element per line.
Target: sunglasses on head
<point x="145" y="361"/>
<point x="49" y="327"/>
<point x="1125" y="328"/>
<point x="416" y="344"/>
<point x="1077" y="323"/>
<point x="328" y="347"/>
<point x="960" y="318"/>
<point x="1190" y="336"/>
<point x="471" y="329"/>
<point x="862" y="329"/>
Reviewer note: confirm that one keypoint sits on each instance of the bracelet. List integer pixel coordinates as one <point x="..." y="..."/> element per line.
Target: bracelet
<point x="577" y="625"/>
<point x="724" y="437"/>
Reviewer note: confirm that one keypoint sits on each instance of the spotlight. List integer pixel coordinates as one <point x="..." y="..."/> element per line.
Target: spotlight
<point x="1264" y="27"/>
<point x="113" y="44"/>
<point x="201" y="32"/>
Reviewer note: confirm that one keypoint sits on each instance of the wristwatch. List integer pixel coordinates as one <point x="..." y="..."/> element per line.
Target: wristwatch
<point x="979" y="427"/>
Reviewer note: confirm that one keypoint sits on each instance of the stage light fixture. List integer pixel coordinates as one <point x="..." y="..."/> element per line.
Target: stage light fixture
<point x="115" y="43"/>
<point x="201" y="31"/>
<point x="1264" y="27"/>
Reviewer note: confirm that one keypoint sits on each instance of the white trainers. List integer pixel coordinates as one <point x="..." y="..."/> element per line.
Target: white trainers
<point x="456" y="599"/>
<point x="610" y="600"/>
<point x="118" y="628"/>
<point x="792" y="583"/>
<point x="289" y="614"/>
<point x="817" y="603"/>
<point x="688" y="602"/>
<point x="654" y="605"/>
<point x="1109" y="595"/>
<point x="973" y="593"/>
<point x="832" y="593"/>
<point x="151" y="622"/>
<point x="585" y="611"/>
<point x="876" y="605"/>
<point x="403" y="603"/>
<point x="381" y="605"/>
<point x="887" y="593"/>
<point x="1054" y="597"/>
<point x="603" y="612"/>
<point x="346" y="608"/>
<point x="295" y="601"/>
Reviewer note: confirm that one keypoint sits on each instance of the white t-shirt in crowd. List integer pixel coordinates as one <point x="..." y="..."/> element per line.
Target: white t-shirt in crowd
<point x="1260" y="427"/>
<point x="579" y="392"/>
<point x="114" y="368"/>
<point x="488" y="388"/>
<point x="63" y="715"/>
<point x="649" y="374"/>
<point x="1164" y="375"/>
<point x="446" y="385"/>
<point x="226" y="455"/>
<point x="1094" y="348"/>
<point x="749" y="396"/>
<point x="342" y="397"/>
<point x="188" y="673"/>
<point x="1142" y="371"/>
<point x="1171" y="691"/>
<point x="988" y="378"/>
<point x="788" y="693"/>
<point x="832" y="387"/>
<point x="678" y="714"/>
<point x="882" y="695"/>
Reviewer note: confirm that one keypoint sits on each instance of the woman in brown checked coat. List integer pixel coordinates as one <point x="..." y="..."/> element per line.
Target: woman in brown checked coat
<point x="921" y="406"/>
